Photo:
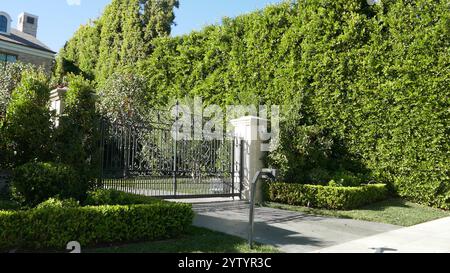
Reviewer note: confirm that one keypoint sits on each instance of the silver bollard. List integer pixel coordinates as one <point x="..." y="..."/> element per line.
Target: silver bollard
<point x="264" y="173"/>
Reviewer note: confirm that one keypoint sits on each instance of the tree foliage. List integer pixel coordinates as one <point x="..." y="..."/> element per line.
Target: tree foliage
<point x="10" y="77"/>
<point x="77" y="137"/>
<point x="123" y="99"/>
<point x="366" y="85"/>
<point x="375" y="79"/>
<point x="80" y="54"/>
<point x="27" y="127"/>
<point x="120" y="37"/>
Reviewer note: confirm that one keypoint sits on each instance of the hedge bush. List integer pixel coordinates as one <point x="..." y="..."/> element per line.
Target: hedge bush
<point x="371" y="82"/>
<point x="59" y="203"/>
<point x="33" y="183"/>
<point x="78" y="135"/>
<point x="102" y="197"/>
<point x="120" y="36"/>
<point x="55" y="227"/>
<point x="376" y="78"/>
<point x="328" y="197"/>
<point x="10" y="77"/>
<point x="27" y="126"/>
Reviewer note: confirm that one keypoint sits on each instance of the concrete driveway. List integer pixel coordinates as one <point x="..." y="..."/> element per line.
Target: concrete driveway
<point x="291" y="232"/>
<point x="431" y="237"/>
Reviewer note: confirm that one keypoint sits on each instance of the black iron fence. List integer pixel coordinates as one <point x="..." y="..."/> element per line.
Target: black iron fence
<point x="147" y="160"/>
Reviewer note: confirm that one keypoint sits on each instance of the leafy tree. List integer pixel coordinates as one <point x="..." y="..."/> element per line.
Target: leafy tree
<point x="371" y="79"/>
<point x="10" y="77"/>
<point x="129" y="26"/>
<point x="77" y="137"/>
<point x="121" y="36"/>
<point x="374" y="78"/>
<point x="111" y="38"/>
<point x="27" y="128"/>
<point x="122" y="99"/>
<point x="133" y="47"/>
<point x="157" y="17"/>
<point x="80" y="54"/>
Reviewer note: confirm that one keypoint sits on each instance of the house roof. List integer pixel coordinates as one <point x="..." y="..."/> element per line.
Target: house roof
<point x="21" y="38"/>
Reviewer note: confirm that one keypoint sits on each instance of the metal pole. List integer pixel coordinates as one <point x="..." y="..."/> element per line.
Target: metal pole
<point x="264" y="173"/>
<point x="102" y="153"/>
<point x="252" y="208"/>
<point x="241" y="167"/>
<point x="233" y="165"/>
<point x="175" y="157"/>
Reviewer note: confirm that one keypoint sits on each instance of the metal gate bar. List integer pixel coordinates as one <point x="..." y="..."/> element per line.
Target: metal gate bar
<point x="146" y="160"/>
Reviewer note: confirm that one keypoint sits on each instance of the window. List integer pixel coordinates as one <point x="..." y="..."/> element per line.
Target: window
<point x="3" y="23"/>
<point x="7" y="58"/>
<point x="30" y="20"/>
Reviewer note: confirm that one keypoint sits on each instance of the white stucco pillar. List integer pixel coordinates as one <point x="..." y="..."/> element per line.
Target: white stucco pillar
<point x="57" y="102"/>
<point x="249" y="157"/>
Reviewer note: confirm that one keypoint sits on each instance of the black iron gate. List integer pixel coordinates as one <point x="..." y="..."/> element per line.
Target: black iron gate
<point x="147" y="160"/>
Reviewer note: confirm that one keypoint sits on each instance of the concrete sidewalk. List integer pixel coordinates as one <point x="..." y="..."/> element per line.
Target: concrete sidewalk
<point x="431" y="237"/>
<point x="291" y="232"/>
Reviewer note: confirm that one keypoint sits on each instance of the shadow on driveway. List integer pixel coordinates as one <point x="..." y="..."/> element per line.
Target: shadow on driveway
<point x="289" y="231"/>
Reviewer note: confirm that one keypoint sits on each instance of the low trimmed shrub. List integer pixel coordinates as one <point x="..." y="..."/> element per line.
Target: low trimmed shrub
<point x="103" y="197"/>
<point x="55" y="227"/>
<point x="345" y="178"/>
<point x="329" y="197"/>
<point x="35" y="182"/>
<point x="58" y="203"/>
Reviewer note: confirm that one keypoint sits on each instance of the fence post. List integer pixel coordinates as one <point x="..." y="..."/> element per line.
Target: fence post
<point x="102" y="153"/>
<point x="233" y="167"/>
<point x="251" y="159"/>
<point x="175" y="156"/>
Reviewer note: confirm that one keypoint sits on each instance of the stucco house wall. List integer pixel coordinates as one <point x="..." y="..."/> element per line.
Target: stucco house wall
<point x="22" y="42"/>
<point x="44" y="60"/>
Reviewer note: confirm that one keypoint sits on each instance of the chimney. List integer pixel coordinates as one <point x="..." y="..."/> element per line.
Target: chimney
<point x="28" y="23"/>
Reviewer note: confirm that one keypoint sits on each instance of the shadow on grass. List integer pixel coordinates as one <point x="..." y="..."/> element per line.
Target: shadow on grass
<point x="393" y="211"/>
<point x="383" y="205"/>
<point x="197" y="240"/>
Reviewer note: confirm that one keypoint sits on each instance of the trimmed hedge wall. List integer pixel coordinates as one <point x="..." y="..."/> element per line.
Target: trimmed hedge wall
<point x="55" y="227"/>
<point x="339" y="198"/>
<point x="375" y="77"/>
<point x="102" y="197"/>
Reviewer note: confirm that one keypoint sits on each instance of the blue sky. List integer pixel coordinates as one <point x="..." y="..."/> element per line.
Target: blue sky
<point x="59" y="19"/>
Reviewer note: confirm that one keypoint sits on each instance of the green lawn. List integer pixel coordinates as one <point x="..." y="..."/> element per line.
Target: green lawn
<point x="197" y="240"/>
<point x="392" y="211"/>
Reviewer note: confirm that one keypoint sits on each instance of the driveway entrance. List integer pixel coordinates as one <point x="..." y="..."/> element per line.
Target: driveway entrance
<point x="291" y="232"/>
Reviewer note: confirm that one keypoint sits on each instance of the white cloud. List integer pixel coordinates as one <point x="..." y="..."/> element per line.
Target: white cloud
<point x="73" y="2"/>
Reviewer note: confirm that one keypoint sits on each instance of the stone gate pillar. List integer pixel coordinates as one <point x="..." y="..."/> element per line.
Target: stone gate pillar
<point x="249" y="157"/>
<point x="57" y="102"/>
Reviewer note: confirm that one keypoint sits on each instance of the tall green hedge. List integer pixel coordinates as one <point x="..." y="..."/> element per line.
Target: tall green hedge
<point x="119" y="37"/>
<point x="376" y="77"/>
